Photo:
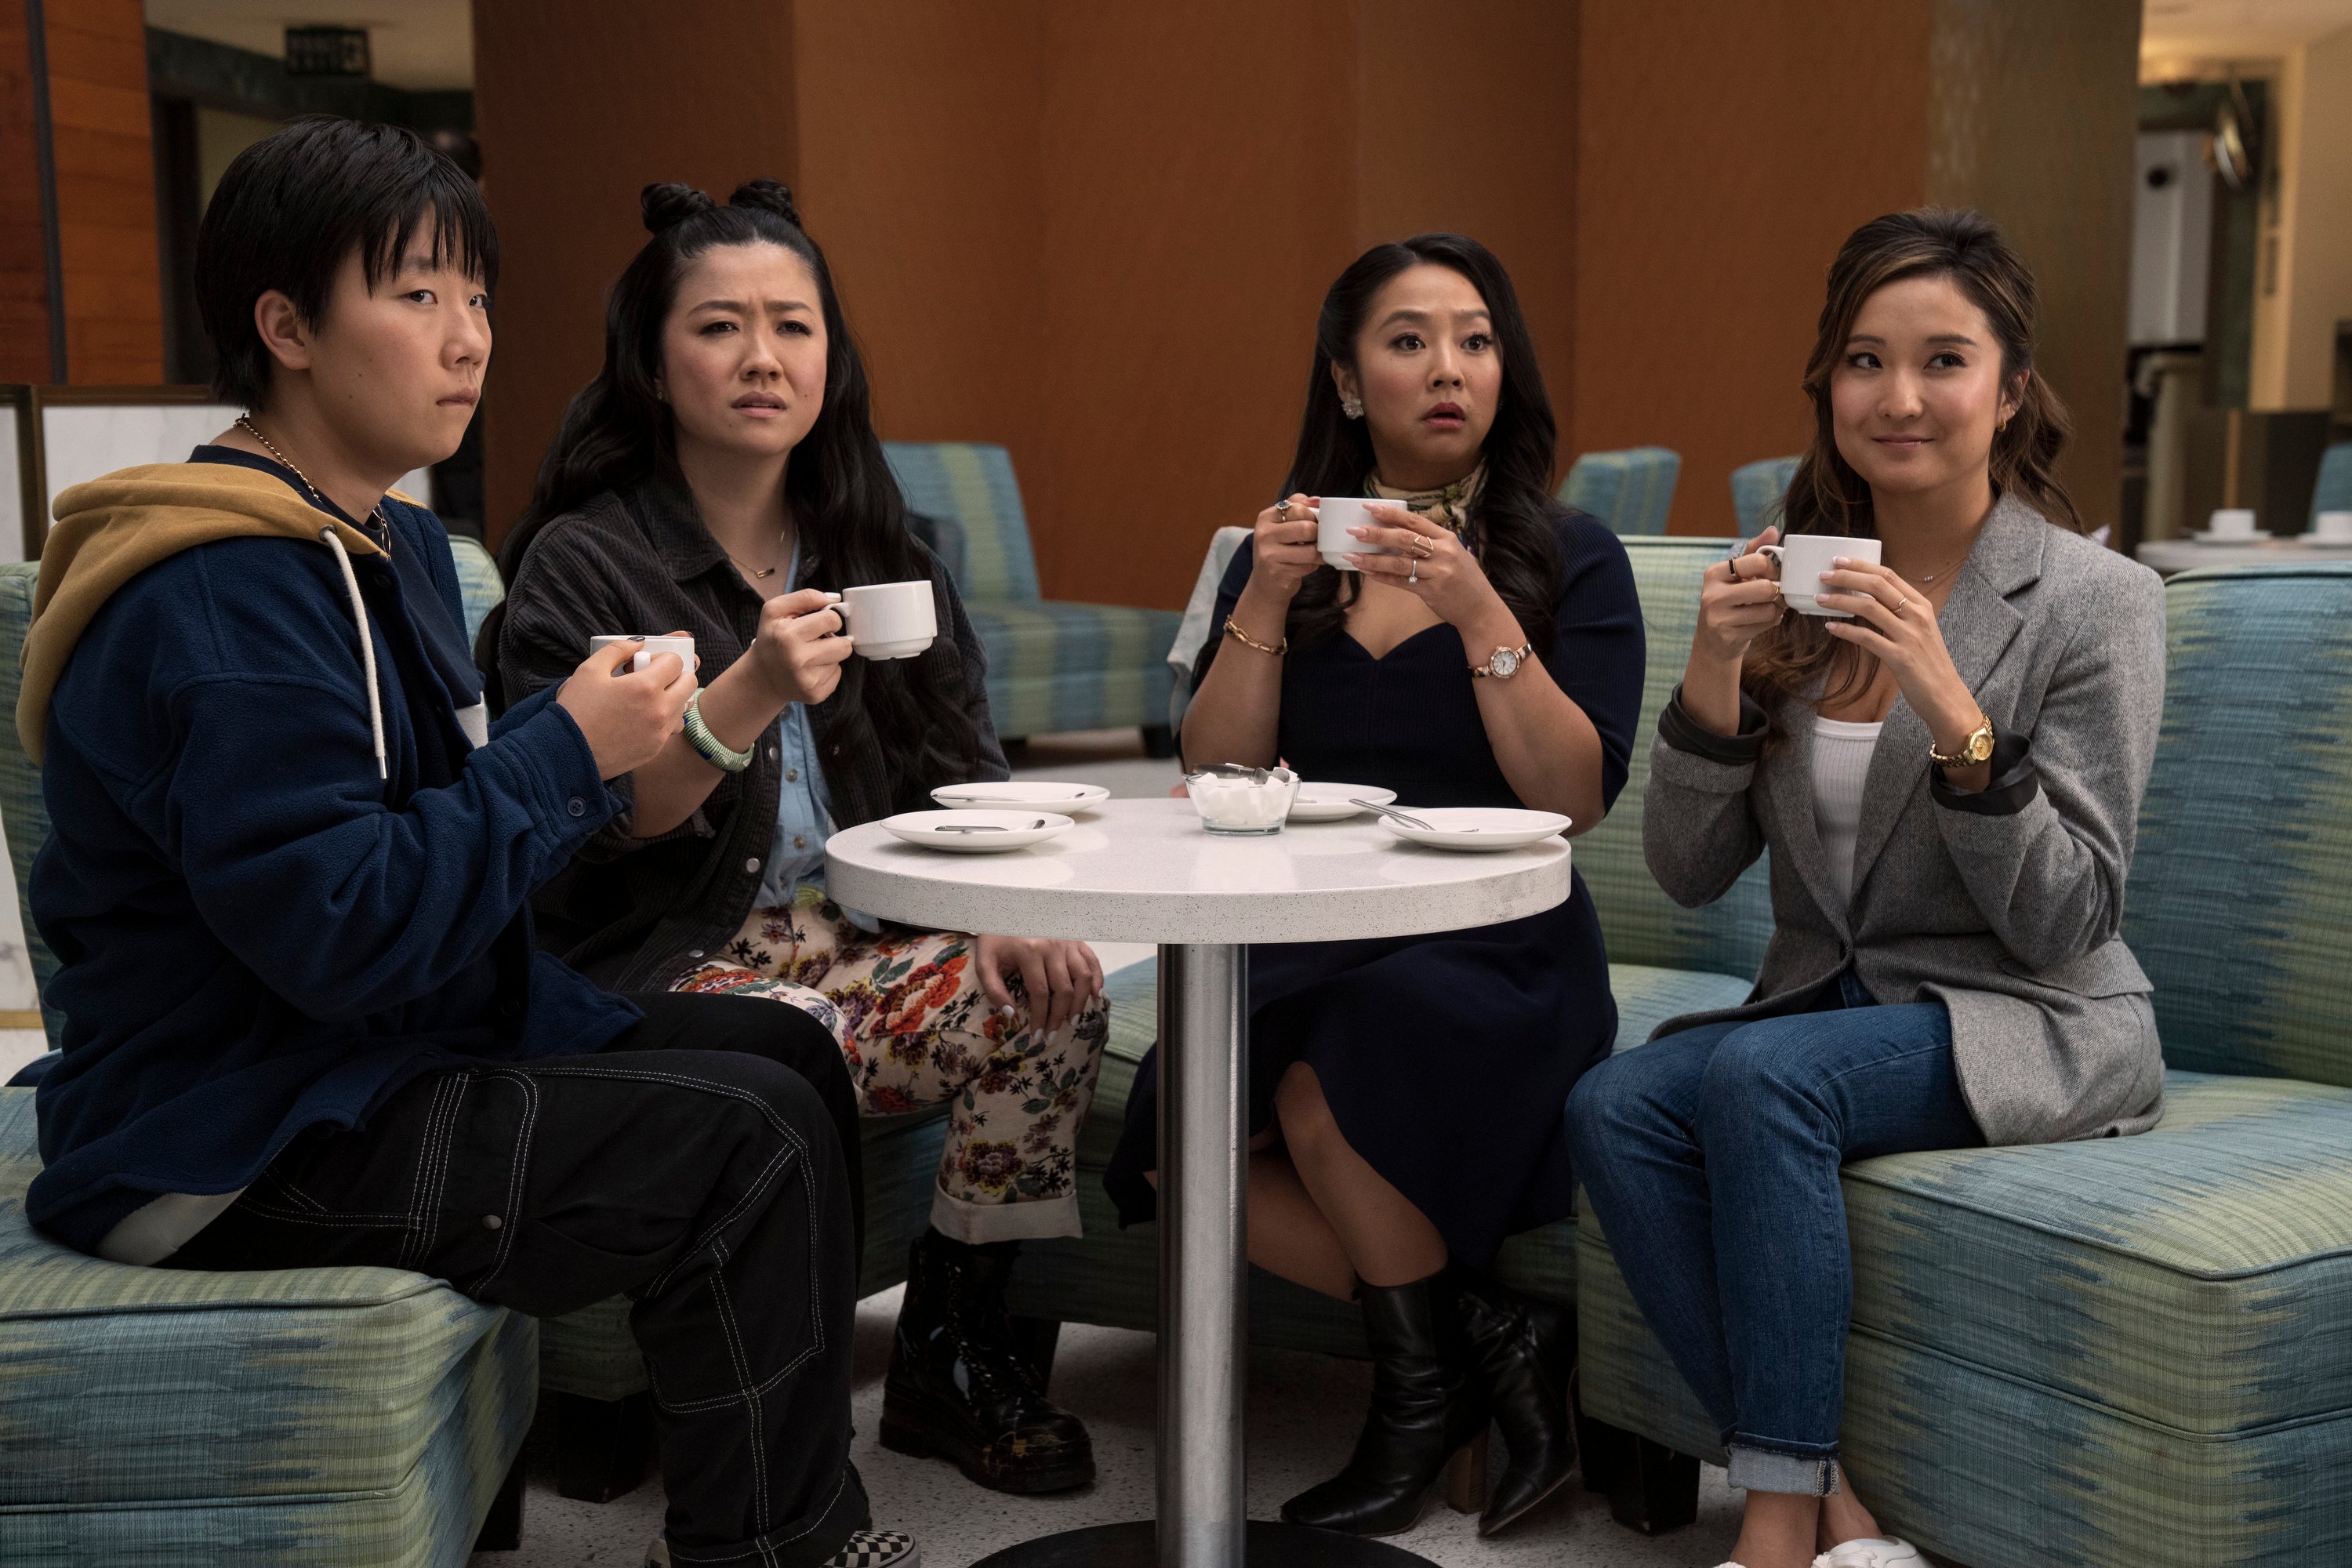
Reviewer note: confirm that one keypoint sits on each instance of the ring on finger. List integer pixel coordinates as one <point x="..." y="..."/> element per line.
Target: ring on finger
<point x="1282" y="511"/>
<point x="1905" y="600"/>
<point x="1423" y="549"/>
<point x="1415" y="575"/>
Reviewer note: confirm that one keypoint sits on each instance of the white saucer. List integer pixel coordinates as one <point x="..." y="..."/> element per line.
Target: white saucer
<point x="2207" y="536"/>
<point x="2310" y="538"/>
<point x="1018" y="793"/>
<point x="1478" y="828"/>
<point x="1334" y="802"/>
<point x="997" y="831"/>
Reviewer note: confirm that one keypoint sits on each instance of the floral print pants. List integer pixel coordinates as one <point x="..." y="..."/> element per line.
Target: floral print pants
<point x="916" y="1030"/>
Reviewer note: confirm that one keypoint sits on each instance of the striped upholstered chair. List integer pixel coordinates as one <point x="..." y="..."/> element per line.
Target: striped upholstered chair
<point x="1662" y="961"/>
<point x="347" y="1416"/>
<point x="1053" y="664"/>
<point x="1756" y="491"/>
<point x="2133" y="1350"/>
<point x="1631" y="491"/>
<point x="2334" y="490"/>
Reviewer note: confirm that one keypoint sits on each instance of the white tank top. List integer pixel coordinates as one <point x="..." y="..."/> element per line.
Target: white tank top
<point x="1840" y="767"/>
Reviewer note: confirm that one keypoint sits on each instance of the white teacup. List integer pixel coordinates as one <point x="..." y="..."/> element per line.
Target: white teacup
<point x="2231" y="523"/>
<point x="888" y="620"/>
<point x="2333" y="527"/>
<point x="680" y="645"/>
<point x="1335" y="516"/>
<point x="1804" y="557"/>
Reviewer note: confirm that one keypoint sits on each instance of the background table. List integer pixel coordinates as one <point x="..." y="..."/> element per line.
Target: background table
<point x="1143" y="870"/>
<point x="2171" y="555"/>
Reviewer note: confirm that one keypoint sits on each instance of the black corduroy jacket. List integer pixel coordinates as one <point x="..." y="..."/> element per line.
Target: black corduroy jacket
<point x="635" y="913"/>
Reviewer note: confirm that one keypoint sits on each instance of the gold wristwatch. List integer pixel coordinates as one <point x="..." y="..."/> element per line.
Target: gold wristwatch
<point x="1504" y="662"/>
<point x="1977" y="748"/>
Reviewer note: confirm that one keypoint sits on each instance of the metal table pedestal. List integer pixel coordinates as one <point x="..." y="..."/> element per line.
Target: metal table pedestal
<point x="1204" y="1307"/>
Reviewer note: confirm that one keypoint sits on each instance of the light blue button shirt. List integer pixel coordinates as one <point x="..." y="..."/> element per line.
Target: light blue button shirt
<point x="803" y="805"/>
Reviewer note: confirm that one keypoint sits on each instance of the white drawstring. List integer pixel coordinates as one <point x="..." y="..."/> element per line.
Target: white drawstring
<point x="367" y="645"/>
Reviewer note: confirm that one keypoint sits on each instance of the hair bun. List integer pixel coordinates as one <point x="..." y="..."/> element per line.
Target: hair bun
<point x="668" y="205"/>
<point x="771" y="196"/>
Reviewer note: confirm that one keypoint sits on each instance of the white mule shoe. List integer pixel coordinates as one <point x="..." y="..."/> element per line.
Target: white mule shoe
<point x="1871" y="1552"/>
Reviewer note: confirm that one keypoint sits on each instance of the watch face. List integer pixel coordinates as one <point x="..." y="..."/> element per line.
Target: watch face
<point x="1505" y="664"/>
<point x="1980" y="746"/>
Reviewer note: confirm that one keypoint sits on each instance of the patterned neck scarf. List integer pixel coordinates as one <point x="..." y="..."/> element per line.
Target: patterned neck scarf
<point x="1448" y="507"/>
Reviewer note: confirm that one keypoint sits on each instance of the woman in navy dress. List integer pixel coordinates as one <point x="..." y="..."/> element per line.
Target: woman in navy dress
<point x="1406" y="1092"/>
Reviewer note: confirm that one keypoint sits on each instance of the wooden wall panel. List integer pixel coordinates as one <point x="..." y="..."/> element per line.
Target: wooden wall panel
<point x="1727" y="151"/>
<point x="23" y="261"/>
<point x="2034" y="120"/>
<point x="106" y="192"/>
<point x="578" y="104"/>
<point x="1501" y="169"/>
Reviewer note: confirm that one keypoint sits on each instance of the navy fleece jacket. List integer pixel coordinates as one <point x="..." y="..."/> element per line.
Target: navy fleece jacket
<point x="256" y="933"/>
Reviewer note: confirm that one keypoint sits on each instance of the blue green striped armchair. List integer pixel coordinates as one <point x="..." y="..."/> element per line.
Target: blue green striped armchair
<point x="2132" y="1351"/>
<point x="1053" y="664"/>
<point x="1757" y="489"/>
<point x="1632" y="490"/>
<point x="347" y="1415"/>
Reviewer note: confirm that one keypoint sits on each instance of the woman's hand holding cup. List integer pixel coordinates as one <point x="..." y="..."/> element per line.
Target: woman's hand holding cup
<point x="1739" y="602"/>
<point x="626" y="716"/>
<point x="1283" y="548"/>
<point x="796" y="650"/>
<point x="1429" y="562"/>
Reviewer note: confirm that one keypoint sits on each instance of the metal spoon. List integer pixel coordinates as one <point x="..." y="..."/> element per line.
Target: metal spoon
<point x="983" y="827"/>
<point x="1400" y="816"/>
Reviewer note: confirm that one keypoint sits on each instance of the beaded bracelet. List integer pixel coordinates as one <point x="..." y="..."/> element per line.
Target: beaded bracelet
<point x="708" y="746"/>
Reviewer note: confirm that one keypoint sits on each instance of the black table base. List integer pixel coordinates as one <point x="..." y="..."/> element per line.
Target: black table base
<point x="1136" y="1546"/>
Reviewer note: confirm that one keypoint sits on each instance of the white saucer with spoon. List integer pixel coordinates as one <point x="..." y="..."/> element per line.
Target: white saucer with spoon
<point x="1045" y="794"/>
<point x="975" y="832"/>
<point x="1476" y="828"/>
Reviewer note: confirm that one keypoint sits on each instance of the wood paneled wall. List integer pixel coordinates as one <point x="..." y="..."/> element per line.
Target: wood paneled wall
<point x="106" y="192"/>
<point x="114" y="304"/>
<point x="578" y="104"/>
<point x="1100" y="234"/>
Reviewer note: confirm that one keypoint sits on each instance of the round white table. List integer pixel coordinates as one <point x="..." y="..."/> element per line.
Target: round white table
<point x="1143" y="870"/>
<point x="2171" y="555"/>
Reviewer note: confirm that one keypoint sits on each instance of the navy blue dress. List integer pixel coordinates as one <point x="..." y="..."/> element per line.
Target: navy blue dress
<point x="1445" y="1057"/>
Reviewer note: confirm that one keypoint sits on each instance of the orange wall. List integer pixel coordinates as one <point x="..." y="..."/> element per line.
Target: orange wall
<point x="113" y="300"/>
<point x="1098" y="234"/>
<point x="106" y="192"/>
<point x="1727" y="151"/>
<point x="24" y="263"/>
<point x="579" y="105"/>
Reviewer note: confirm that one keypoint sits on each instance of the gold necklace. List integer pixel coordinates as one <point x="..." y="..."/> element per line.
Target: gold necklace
<point x="375" y="514"/>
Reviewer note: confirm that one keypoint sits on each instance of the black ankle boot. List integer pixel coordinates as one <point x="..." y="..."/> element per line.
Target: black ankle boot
<point x="1523" y="1351"/>
<point x="959" y="1387"/>
<point x="1425" y="1411"/>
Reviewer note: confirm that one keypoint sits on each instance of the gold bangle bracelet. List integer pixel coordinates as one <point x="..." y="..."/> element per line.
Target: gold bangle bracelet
<point x="1248" y="641"/>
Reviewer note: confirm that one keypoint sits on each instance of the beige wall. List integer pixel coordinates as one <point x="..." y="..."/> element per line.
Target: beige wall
<point x="2303" y="291"/>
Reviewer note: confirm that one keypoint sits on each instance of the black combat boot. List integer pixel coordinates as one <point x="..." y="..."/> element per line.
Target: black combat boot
<point x="1426" y="1410"/>
<point x="1523" y="1351"/>
<point x="958" y="1386"/>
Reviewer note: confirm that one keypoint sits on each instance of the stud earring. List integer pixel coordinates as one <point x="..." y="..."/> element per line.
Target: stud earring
<point x="1353" y="407"/>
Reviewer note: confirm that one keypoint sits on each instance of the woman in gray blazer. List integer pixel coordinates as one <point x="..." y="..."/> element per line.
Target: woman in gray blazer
<point x="1948" y="778"/>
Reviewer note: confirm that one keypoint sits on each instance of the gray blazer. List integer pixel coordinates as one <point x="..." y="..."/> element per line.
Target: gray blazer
<point x="2007" y="917"/>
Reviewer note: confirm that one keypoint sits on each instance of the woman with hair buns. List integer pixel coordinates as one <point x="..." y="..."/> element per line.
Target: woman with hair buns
<point x="1948" y="777"/>
<point x="721" y="476"/>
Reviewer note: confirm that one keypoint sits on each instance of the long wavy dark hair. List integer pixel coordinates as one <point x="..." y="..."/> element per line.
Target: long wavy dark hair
<point x="1511" y="522"/>
<point x="851" y="518"/>
<point x="1828" y="497"/>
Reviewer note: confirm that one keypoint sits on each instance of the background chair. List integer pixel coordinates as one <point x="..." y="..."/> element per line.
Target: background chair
<point x="1757" y="489"/>
<point x="1053" y="664"/>
<point x="2133" y="1349"/>
<point x="1632" y="490"/>
<point x="350" y="1416"/>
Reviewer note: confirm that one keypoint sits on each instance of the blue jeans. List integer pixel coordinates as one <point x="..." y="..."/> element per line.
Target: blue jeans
<point x="1711" y="1158"/>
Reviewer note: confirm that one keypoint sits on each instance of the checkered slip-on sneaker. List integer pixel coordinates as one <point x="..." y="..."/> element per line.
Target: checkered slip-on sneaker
<point x="866" y="1549"/>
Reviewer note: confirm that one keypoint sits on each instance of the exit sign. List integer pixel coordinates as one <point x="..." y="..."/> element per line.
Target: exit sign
<point x="326" y="51"/>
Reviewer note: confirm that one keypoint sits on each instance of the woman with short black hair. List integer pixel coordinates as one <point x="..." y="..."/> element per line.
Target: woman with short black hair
<point x="1404" y="1092"/>
<point x="721" y="476"/>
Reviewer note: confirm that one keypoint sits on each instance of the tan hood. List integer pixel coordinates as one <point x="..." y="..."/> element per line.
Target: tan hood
<point x="112" y="529"/>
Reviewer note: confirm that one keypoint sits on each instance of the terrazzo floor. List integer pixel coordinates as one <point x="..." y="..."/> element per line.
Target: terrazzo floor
<point x="1303" y="1414"/>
